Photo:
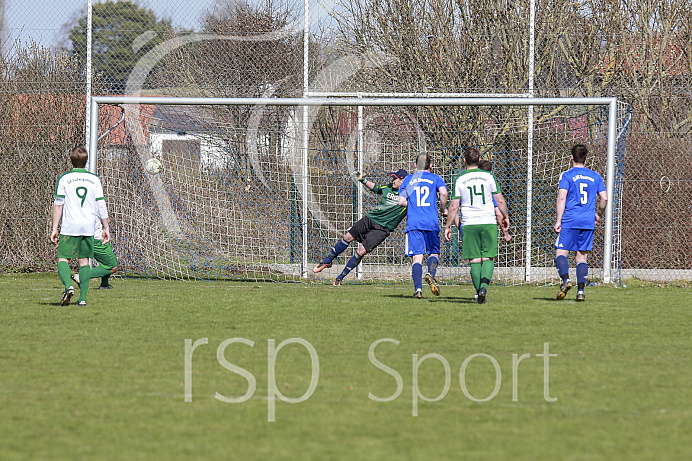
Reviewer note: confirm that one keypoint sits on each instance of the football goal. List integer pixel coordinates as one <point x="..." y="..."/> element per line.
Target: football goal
<point x="259" y="189"/>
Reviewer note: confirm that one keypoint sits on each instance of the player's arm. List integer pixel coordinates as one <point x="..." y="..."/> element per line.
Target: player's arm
<point x="105" y="222"/>
<point x="57" y="215"/>
<point x="102" y="211"/>
<point x="57" y="211"/>
<point x="503" y="223"/>
<point x="498" y="214"/>
<point x="443" y="199"/>
<point x="498" y="217"/>
<point x="502" y="207"/>
<point x="603" y="195"/>
<point x="560" y="208"/>
<point x="452" y="217"/>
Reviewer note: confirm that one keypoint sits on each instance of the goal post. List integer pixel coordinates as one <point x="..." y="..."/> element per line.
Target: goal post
<point x="286" y="148"/>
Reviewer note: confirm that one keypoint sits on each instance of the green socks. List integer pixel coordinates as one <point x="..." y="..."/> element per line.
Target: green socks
<point x="487" y="268"/>
<point x="65" y="273"/>
<point x="482" y="273"/>
<point x="99" y="271"/>
<point x="84" y="276"/>
<point x="476" y="275"/>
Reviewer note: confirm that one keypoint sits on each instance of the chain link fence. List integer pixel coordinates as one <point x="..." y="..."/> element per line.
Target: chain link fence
<point x="640" y="53"/>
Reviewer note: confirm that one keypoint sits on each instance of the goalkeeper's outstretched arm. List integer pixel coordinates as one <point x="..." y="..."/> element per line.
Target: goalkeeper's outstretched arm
<point x="358" y="176"/>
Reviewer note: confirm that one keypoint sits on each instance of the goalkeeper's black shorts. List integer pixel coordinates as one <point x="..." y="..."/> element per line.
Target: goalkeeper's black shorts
<point x="369" y="233"/>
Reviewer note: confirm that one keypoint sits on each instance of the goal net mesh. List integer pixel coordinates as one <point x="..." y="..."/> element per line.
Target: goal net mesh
<point x="230" y="200"/>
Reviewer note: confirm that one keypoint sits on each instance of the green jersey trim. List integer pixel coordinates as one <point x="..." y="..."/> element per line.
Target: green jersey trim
<point x="73" y="170"/>
<point x="474" y="170"/>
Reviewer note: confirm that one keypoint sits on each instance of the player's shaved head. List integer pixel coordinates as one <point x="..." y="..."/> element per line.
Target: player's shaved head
<point x="423" y="162"/>
<point x="79" y="156"/>
<point x="579" y="153"/>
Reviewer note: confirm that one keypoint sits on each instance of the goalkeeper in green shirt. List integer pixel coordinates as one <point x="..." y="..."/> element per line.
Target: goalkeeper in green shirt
<point x="373" y="228"/>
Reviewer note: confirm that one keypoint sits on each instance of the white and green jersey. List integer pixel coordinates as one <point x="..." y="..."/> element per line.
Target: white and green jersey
<point x="79" y="192"/>
<point x="98" y="228"/>
<point x="475" y="188"/>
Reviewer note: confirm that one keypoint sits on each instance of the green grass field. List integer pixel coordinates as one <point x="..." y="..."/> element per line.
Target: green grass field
<point x="108" y="381"/>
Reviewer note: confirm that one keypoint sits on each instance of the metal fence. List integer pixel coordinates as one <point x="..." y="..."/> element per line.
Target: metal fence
<point x="264" y="49"/>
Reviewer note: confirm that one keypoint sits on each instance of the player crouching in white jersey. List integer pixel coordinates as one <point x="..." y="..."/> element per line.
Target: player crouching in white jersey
<point x="104" y="256"/>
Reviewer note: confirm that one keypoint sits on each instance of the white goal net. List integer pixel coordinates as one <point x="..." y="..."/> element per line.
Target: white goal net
<point x="260" y="189"/>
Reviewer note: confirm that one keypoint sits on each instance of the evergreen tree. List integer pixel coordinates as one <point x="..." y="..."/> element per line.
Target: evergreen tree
<point x="115" y="27"/>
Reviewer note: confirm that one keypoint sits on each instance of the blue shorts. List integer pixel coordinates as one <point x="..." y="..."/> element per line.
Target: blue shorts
<point x="575" y="240"/>
<point x="420" y="242"/>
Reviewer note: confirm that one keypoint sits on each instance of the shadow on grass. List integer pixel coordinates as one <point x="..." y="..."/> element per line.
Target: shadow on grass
<point x="431" y="299"/>
<point x="72" y="305"/>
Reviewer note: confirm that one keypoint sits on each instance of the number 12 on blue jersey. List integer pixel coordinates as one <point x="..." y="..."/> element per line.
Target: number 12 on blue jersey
<point x="422" y="195"/>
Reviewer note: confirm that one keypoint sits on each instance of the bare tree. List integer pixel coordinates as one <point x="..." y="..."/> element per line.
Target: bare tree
<point x="42" y="109"/>
<point x="246" y="50"/>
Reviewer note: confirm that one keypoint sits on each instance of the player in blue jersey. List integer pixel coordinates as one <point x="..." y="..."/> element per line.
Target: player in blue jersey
<point x="418" y="192"/>
<point x="577" y="219"/>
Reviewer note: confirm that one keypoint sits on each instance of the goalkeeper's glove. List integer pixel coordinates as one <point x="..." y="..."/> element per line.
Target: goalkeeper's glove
<point x="358" y="176"/>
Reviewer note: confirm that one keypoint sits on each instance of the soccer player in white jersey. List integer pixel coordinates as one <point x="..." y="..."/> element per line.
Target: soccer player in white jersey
<point x="418" y="192"/>
<point x="473" y="192"/>
<point x="78" y="201"/>
<point x="576" y="219"/>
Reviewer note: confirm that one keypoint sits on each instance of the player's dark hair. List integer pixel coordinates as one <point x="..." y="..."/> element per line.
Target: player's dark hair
<point x="420" y="159"/>
<point x="79" y="156"/>
<point x="579" y="153"/>
<point x="471" y="156"/>
<point x="486" y="165"/>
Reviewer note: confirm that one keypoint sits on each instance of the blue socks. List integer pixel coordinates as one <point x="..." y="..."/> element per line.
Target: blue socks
<point x="562" y="267"/>
<point x="350" y="265"/>
<point x="432" y="265"/>
<point x="339" y="248"/>
<point x="582" y="272"/>
<point x="417" y="276"/>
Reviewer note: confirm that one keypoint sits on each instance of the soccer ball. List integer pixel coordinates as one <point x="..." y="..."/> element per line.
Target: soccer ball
<point x="153" y="166"/>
